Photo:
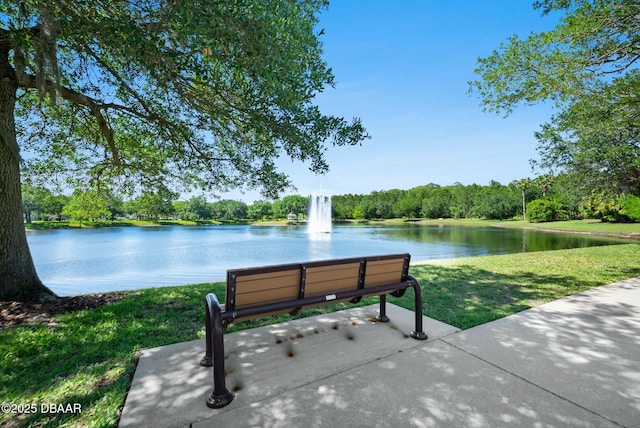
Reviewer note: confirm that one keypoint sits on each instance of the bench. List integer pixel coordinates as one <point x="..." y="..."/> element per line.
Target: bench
<point x="269" y="290"/>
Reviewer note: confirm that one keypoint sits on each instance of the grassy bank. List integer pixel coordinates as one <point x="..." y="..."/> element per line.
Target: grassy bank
<point x="88" y="357"/>
<point x="627" y="230"/>
<point x="468" y="292"/>
<point x="594" y="227"/>
<point x="470" y="222"/>
<point x="67" y="224"/>
<point x="589" y="226"/>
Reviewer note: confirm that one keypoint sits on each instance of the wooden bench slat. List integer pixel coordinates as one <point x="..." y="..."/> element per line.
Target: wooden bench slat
<point x="332" y="287"/>
<point x="327" y="280"/>
<point x="265" y="287"/>
<point x="384" y="272"/>
<point x="249" y="283"/>
<point x="383" y="278"/>
<point x="335" y="271"/>
<point x="266" y="296"/>
<point x="378" y="266"/>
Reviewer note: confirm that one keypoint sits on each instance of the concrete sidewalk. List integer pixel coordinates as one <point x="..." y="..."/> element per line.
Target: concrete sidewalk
<point x="572" y="362"/>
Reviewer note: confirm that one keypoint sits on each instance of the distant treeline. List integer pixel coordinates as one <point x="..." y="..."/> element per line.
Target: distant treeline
<point x="545" y="198"/>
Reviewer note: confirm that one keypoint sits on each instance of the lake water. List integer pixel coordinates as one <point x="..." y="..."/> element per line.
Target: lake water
<point x="76" y="261"/>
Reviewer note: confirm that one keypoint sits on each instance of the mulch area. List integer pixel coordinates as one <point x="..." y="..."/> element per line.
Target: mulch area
<point x="15" y="313"/>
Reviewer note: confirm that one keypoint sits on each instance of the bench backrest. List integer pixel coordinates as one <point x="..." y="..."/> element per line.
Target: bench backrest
<point x="252" y="287"/>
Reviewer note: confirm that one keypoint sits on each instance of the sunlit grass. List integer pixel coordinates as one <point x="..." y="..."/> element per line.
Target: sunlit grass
<point x="43" y="224"/>
<point x="88" y="357"/>
<point x="584" y="226"/>
<point x="475" y="222"/>
<point x="471" y="291"/>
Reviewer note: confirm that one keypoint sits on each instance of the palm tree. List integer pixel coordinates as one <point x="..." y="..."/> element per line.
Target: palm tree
<point x="523" y="184"/>
<point x="545" y="182"/>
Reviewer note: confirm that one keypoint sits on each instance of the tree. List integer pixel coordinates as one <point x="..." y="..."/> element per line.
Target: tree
<point x="86" y="206"/>
<point x="295" y="204"/>
<point x="229" y="209"/>
<point x="544" y="181"/>
<point x="115" y="204"/>
<point x="42" y="202"/>
<point x="378" y="204"/>
<point x="35" y="199"/>
<point x="358" y="212"/>
<point x="523" y="185"/>
<point x="153" y="204"/>
<point x="437" y="203"/>
<point x="195" y="209"/>
<point x="277" y="209"/>
<point x="339" y="208"/>
<point x="463" y="199"/>
<point x="143" y="92"/>
<point x="259" y="210"/>
<point x="344" y="206"/>
<point x="408" y="206"/>
<point x="587" y="67"/>
<point x="497" y="201"/>
<point x="597" y="138"/>
<point x="602" y="205"/>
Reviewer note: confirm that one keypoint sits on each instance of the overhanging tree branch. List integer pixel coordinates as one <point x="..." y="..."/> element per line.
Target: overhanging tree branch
<point x="28" y="81"/>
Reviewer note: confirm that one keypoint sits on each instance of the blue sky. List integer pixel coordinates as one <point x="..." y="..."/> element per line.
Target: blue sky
<point x="403" y="67"/>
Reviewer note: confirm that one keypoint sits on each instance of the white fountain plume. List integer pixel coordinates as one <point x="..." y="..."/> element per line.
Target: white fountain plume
<point x="319" y="220"/>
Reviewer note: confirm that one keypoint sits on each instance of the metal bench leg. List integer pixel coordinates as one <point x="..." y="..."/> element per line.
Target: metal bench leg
<point x="220" y="396"/>
<point x="207" y="360"/>
<point x="419" y="332"/>
<point x="383" y="309"/>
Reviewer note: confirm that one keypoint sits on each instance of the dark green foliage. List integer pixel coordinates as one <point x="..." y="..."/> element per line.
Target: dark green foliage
<point x="630" y="206"/>
<point x="181" y="94"/>
<point x="498" y="202"/>
<point x="602" y="205"/>
<point x="259" y="210"/>
<point x="567" y="198"/>
<point x="437" y="204"/>
<point x="142" y="94"/>
<point x="228" y="209"/>
<point x="586" y="67"/>
<point x="547" y="209"/>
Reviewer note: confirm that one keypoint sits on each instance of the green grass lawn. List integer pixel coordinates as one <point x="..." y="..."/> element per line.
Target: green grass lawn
<point x="472" y="291"/>
<point x="43" y="224"/>
<point x="89" y="356"/>
<point x="591" y="226"/>
<point x="583" y="226"/>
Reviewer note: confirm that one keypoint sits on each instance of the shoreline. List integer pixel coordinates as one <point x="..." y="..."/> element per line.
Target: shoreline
<point x="632" y="236"/>
<point x="627" y="231"/>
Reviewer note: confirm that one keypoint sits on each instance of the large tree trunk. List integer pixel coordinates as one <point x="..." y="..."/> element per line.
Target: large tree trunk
<point x="18" y="277"/>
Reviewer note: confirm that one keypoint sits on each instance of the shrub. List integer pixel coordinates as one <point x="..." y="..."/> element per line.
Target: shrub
<point x="541" y="210"/>
<point x="603" y="205"/>
<point x="630" y="207"/>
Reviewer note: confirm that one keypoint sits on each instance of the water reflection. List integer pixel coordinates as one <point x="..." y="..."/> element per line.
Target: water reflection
<point x="72" y="261"/>
<point x="495" y="240"/>
<point x="319" y="245"/>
